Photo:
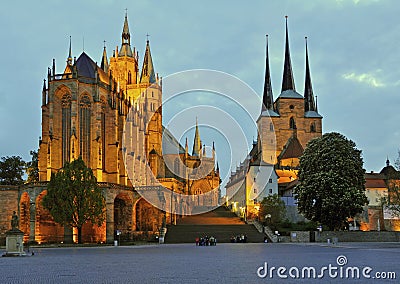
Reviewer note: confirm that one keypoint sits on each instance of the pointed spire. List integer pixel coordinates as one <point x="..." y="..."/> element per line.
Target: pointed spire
<point x="309" y="103"/>
<point x="126" y="39"/>
<point x="217" y="167"/>
<point x="196" y="143"/>
<point x="287" y="80"/>
<point x="204" y="150"/>
<point x="69" y="59"/>
<point x="148" y="74"/>
<point x="104" y="60"/>
<point x="186" y="147"/>
<point x="268" y="99"/>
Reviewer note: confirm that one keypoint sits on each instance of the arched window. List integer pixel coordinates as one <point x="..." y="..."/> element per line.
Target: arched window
<point x="84" y="129"/>
<point x="271" y="127"/>
<point x="103" y="134"/>
<point x="129" y="77"/>
<point x="66" y="127"/>
<point x="292" y="123"/>
<point x="177" y="167"/>
<point x="312" y="127"/>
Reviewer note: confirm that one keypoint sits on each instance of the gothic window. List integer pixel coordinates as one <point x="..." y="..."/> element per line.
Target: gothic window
<point x="129" y="77"/>
<point x="103" y="135"/>
<point x="312" y="127"/>
<point x="176" y="167"/>
<point x="271" y="127"/>
<point x="84" y="129"/>
<point x="66" y="127"/>
<point x="292" y="123"/>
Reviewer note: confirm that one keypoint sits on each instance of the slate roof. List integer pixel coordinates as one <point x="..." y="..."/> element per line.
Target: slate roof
<point x="312" y="114"/>
<point x="290" y="94"/>
<point x="292" y="149"/>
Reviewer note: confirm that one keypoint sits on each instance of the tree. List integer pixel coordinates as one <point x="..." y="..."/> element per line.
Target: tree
<point x="11" y="170"/>
<point x="331" y="181"/>
<point x="32" y="168"/>
<point x="73" y="197"/>
<point x="273" y="207"/>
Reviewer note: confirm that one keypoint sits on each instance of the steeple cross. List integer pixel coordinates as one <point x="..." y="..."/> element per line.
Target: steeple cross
<point x="147" y="37"/>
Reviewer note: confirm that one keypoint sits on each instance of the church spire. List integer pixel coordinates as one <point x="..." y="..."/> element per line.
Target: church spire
<point x="126" y="39"/>
<point x="148" y="75"/>
<point x="287" y="80"/>
<point x="196" y="143"/>
<point x="309" y="103"/>
<point x="104" y="61"/>
<point x="268" y="100"/>
<point x="69" y="59"/>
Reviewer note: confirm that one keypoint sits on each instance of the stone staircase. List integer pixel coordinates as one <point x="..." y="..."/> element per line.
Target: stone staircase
<point x="220" y="223"/>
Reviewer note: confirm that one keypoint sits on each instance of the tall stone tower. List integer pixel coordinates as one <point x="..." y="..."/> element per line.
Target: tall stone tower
<point x="289" y="122"/>
<point x="85" y="110"/>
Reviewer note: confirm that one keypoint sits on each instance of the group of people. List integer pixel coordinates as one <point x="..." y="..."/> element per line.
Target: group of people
<point x="206" y="241"/>
<point x="239" y="239"/>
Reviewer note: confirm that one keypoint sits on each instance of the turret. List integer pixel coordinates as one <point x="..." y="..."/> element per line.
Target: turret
<point x="126" y="40"/>
<point x="148" y="74"/>
<point x="196" y="143"/>
<point x="104" y="60"/>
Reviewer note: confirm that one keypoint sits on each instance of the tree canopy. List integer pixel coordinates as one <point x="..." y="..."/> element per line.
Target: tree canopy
<point x="73" y="197"/>
<point x="32" y="167"/>
<point x="273" y="207"/>
<point x="331" y="181"/>
<point x="12" y="170"/>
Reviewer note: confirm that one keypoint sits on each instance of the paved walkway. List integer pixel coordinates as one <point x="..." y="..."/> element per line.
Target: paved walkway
<point x="186" y="263"/>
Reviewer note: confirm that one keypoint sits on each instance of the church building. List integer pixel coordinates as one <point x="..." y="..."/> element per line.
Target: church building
<point x="111" y="116"/>
<point x="285" y="126"/>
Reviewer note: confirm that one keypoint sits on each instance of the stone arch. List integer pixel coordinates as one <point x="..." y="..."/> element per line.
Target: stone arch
<point x="312" y="127"/>
<point x="123" y="214"/>
<point x="46" y="230"/>
<point x="24" y="215"/>
<point x="147" y="216"/>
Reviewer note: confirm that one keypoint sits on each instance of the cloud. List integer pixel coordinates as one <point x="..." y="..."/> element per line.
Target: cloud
<point x="365" y="78"/>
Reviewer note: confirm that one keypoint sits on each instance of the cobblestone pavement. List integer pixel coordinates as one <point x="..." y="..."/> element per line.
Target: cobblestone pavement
<point x="186" y="263"/>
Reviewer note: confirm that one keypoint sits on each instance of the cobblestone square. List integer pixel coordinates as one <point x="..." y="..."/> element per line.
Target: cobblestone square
<point x="186" y="263"/>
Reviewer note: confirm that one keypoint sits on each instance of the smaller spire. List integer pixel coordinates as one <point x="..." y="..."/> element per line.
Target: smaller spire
<point x="309" y="103"/>
<point x="287" y="80"/>
<point x="217" y="167"/>
<point x="104" y="60"/>
<point x="126" y="39"/>
<point x="196" y="143"/>
<point x="148" y="74"/>
<point x="204" y="150"/>
<point x="69" y="59"/>
<point x="44" y="85"/>
<point x="268" y="100"/>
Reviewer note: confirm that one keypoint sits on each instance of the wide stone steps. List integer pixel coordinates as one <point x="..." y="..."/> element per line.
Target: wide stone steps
<point x="219" y="223"/>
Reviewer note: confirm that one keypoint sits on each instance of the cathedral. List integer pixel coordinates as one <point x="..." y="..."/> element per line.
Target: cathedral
<point x="111" y="116"/>
<point x="285" y="126"/>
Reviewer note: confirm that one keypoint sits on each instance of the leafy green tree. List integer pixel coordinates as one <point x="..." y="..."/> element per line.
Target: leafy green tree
<point x="274" y="208"/>
<point x="32" y="167"/>
<point x="11" y="170"/>
<point x="331" y="181"/>
<point x="73" y="197"/>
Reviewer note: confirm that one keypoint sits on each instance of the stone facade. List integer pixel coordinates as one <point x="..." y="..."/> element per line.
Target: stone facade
<point x="111" y="116"/>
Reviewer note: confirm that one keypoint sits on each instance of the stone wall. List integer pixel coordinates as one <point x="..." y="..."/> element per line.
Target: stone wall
<point x="358" y="236"/>
<point x="8" y="204"/>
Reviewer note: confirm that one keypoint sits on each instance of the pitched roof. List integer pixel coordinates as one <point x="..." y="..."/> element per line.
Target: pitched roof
<point x="170" y="144"/>
<point x="292" y="149"/>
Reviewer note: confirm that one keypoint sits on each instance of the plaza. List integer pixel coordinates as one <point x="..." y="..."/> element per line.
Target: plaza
<point x="186" y="263"/>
